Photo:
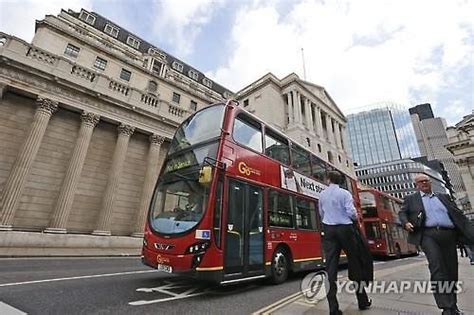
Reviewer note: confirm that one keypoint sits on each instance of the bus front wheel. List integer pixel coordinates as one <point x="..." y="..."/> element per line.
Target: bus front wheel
<point x="280" y="266"/>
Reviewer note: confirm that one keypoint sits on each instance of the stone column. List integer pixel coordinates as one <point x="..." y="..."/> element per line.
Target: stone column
<point x="17" y="177"/>
<point x="299" y="115"/>
<point x="329" y="121"/>
<point x="319" y="123"/>
<point x="3" y="89"/>
<point x="149" y="183"/>
<point x="309" y="119"/>
<point x="337" y="134"/>
<point x="105" y="217"/>
<point x="343" y="137"/>
<point x="68" y="188"/>
<point x="291" y="107"/>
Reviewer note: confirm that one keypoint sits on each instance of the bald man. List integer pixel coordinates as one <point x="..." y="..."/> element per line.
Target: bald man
<point x="425" y="216"/>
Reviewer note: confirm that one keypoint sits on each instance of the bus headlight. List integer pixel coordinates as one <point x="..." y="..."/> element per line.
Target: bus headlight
<point x="197" y="248"/>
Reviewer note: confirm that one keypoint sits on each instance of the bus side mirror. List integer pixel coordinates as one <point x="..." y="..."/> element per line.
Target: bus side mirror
<point x="205" y="175"/>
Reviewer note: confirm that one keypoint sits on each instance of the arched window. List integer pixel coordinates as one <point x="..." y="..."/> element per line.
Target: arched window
<point x="152" y="86"/>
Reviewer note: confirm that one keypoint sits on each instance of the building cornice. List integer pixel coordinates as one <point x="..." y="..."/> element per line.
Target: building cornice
<point x="145" y="45"/>
<point x="286" y="83"/>
<point x="131" y="58"/>
<point x="32" y="72"/>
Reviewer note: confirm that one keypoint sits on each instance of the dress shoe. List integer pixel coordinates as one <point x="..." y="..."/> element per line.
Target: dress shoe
<point x="366" y="306"/>
<point x="451" y="311"/>
<point x="338" y="312"/>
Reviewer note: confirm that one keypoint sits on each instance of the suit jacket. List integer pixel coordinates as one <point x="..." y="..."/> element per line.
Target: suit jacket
<point x="364" y="256"/>
<point x="413" y="206"/>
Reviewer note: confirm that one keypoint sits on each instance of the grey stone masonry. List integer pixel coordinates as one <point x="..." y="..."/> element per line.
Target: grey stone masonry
<point x="103" y="226"/>
<point x="68" y="188"/>
<point x="150" y="178"/>
<point x="17" y="177"/>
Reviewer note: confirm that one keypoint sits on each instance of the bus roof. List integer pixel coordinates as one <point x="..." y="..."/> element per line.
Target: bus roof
<point x="235" y="104"/>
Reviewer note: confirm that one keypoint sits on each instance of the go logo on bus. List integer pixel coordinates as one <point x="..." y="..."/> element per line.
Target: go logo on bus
<point x="246" y="170"/>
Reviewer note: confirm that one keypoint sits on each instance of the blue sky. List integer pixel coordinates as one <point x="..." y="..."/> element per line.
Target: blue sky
<point x="362" y="52"/>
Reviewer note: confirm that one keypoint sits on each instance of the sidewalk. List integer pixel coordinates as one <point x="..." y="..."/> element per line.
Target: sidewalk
<point x="388" y="303"/>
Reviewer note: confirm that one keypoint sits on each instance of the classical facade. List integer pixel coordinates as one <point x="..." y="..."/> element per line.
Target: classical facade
<point x="302" y="110"/>
<point x="461" y="145"/>
<point x="86" y="113"/>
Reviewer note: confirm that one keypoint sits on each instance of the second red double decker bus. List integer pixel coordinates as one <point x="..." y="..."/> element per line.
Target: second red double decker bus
<point x="383" y="230"/>
<point x="235" y="200"/>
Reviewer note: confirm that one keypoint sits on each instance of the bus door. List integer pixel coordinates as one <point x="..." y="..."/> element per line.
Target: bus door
<point x="387" y="231"/>
<point x="244" y="243"/>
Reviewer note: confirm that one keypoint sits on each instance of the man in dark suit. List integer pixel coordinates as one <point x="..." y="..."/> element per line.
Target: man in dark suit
<point x="428" y="218"/>
<point x="337" y="211"/>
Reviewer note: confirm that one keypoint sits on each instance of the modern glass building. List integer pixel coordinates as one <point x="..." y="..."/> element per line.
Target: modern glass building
<point x="398" y="177"/>
<point x="381" y="134"/>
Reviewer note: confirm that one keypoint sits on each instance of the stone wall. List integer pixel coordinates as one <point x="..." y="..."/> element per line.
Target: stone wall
<point x="46" y="178"/>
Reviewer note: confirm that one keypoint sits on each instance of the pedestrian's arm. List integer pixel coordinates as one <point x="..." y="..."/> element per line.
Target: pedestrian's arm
<point x="349" y="207"/>
<point x="403" y="213"/>
<point x="321" y="210"/>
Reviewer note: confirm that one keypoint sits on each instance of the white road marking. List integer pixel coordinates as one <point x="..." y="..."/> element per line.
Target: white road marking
<point x="272" y="308"/>
<point x="166" y="289"/>
<point x="77" y="278"/>
<point x="72" y="257"/>
<point x="6" y="309"/>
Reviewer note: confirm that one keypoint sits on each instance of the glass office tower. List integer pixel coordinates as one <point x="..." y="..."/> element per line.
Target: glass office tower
<point x="381" y="134"/>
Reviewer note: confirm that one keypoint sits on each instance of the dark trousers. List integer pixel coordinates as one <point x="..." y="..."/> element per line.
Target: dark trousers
<point x="337" y="238"/>
<point x="439" y="247"/>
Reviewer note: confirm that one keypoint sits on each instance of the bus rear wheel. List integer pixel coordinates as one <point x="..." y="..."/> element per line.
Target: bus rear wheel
<point x="280" y="266"/>
<point x="398" y="251"/>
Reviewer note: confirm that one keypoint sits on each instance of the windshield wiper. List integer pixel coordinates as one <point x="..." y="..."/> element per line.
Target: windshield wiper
<point x="183" y="177"/>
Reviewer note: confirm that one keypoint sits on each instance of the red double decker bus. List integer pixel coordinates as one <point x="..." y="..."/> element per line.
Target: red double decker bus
<point x="385" y="235"/>
<point x="235" y="200"/>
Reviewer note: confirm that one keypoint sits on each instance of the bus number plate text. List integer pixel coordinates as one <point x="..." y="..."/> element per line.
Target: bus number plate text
<point x="164" y="268"/>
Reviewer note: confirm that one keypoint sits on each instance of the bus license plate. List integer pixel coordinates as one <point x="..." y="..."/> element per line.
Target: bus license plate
<point x="164" y="268"/>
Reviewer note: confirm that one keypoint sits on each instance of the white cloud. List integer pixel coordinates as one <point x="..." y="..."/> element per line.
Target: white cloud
<point x="17" y="17"/>
<point x="361" y="51"/>
<point x="179" y="22"/>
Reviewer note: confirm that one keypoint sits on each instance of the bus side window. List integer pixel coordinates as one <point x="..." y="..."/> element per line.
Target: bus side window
<point x="280" y="212"/>
<point x="248" y="133"/>
<point x="305" y="214"/>
<point x="300" y="160"/>
<point x="318" y="168"/>
<point x="348" y="184"/>
<point x="218" y="213"/>
<point x="276" y="147"/>
<point x="318" y="224"/>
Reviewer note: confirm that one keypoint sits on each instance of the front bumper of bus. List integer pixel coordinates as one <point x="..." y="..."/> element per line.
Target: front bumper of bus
<point x="180" y="264"/>
<point x="177" y="263"/>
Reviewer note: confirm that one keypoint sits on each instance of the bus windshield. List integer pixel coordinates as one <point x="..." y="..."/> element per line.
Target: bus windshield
<point x="179" y="202"/>
<point x="368" y="205"/>
<point x="202" y="126"/>
<point x="372" y="230"/>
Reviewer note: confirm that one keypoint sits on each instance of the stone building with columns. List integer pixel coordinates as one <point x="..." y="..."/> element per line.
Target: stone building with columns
<point x="304" y="111"/>
<point x="86" y="113"/>
<point x="461" y="145"/>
